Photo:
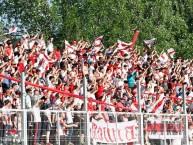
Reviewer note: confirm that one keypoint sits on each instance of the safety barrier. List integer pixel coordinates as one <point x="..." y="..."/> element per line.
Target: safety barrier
<point x="65" y="127"/>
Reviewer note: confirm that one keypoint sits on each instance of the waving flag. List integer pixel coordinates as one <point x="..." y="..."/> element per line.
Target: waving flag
<point x="163" y="57"/>
<point x="171" y="52"/>
<point x="11" y="30"/>
<point x="134" y="105"/>
<point x="68" y="47"/>
<point x="97" y="44"/>
<point x="122" y="45"/>
<point x="150" y="42"/>
<point x="134" y="38"/>
<point x="158" y="105"/>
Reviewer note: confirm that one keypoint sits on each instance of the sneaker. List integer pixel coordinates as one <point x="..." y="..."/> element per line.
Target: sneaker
<point x="70" y="143"/>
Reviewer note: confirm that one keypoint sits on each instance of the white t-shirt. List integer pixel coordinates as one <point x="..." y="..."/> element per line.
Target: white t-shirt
<point x="48" y="113"/>
<point x="28" y="101"/>
<point x="36" y="113"/>
<point x="7" y="114"/>
<point x="69" y="116"/>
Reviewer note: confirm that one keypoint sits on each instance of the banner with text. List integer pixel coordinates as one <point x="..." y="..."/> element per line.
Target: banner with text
<point x="165" y="129"/>
<point x="121" y="132"/>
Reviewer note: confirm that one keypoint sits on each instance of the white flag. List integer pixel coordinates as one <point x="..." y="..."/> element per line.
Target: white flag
<point x="149" y="42"/>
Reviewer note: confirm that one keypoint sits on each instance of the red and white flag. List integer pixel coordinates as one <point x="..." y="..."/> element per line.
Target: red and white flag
<point x="171" y="52"/>
<point x="134" y="105"/>
<point x="11" y="30"/>
<point x="150" y="42"/>
<point x="68" y="47"/>
<point x="97" y="44"/>
<point x="163" y="57"/>
<point x="158" y="106"/>
<point x="122" y="45"/>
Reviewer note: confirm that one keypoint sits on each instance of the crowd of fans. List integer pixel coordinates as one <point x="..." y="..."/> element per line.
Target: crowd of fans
<point x="111" y="76"/>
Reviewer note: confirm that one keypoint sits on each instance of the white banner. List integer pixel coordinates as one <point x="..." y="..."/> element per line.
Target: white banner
<point x="122" y="132"/>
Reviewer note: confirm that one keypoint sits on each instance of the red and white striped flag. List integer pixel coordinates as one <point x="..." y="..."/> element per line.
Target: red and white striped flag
<point x="97" y="44"/>
<point x="11" y="30"/>
<point x="134" y="105"/>
<point x="158" y="104"/>
<point x="150" y="42"/>
<point x="68" y="47"/>
<point x="171" y="52"/>
<point x="163" y="57"/>
<point x="159" y="107"/>
<point x="122" y="45"/>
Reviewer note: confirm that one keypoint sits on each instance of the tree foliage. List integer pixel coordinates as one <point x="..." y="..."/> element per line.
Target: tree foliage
<point x="171" y="22"/>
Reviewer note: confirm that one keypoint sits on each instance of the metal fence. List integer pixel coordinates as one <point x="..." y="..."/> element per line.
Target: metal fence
<point x="31" y="127"/>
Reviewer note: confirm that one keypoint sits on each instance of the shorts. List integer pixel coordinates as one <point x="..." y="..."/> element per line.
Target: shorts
<point x="47" y="126"/>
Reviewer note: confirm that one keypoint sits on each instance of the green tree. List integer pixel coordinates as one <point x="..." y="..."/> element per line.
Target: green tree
<point x="171" y="22"/>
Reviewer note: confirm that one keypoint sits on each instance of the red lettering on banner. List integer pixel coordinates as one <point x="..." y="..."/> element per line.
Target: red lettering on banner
<point x="100" y="133"/>
<point x="108" y="131"/>
<point x="130" y="133"/>
<point x="94" y="129"/>
<point x="119" y="134"/>
<point x="174" y="128"/>
<point x="104" y="128"/>
<point x="169" y="127"/>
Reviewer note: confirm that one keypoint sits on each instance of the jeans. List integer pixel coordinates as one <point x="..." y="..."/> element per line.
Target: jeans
<point x="37" y="131"/>
<point x="70" y="133"/>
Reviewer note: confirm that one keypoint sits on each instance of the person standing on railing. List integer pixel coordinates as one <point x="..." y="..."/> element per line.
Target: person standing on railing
<point x="37" y="121"/>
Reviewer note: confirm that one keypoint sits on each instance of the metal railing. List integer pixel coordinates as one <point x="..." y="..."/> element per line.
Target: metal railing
<point x="63" y="128"/>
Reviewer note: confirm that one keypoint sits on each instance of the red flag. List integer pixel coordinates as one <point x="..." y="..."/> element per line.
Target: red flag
<point x="134" y="38"/>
